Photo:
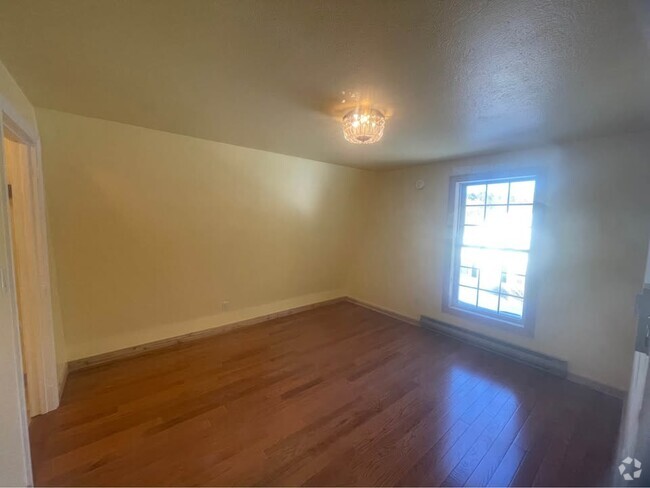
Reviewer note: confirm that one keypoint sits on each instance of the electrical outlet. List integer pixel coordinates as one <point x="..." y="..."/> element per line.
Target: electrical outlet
<point x="225" y="305"/>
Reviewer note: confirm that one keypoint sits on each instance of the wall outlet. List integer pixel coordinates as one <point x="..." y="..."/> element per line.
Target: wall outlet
<point x="225" y="305"/>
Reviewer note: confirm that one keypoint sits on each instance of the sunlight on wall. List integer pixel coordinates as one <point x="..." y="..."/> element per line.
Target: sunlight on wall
<point x="593" y="248"/>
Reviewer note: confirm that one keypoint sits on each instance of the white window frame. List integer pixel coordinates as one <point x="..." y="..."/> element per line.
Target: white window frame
<point x="450" y="305"/>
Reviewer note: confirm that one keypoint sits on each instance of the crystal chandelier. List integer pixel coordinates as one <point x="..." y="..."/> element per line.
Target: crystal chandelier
<point x="363" y="126"/>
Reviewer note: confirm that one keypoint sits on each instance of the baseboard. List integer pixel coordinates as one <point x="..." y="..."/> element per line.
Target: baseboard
<point x="595" y="385"/>
<point x="546" y="363"/>
<point x="63" y="379"/>
<point x="384" y="311"/>
<point x="109" y="357"/>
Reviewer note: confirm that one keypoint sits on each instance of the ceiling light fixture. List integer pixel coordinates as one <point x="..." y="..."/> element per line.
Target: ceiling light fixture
<point x="363" y="126"/>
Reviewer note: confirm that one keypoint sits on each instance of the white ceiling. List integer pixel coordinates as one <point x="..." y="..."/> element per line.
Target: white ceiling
<point x="457" y="77"/>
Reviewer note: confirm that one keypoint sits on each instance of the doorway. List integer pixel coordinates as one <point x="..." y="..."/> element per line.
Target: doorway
<point x="30" y="270"/>
<point x="15" y="159"/>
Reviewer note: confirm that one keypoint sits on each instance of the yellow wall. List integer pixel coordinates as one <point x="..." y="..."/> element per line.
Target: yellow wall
<point x="594" y="248"/>
<point x="14" y="102"/>
<point x="153" y="231"/>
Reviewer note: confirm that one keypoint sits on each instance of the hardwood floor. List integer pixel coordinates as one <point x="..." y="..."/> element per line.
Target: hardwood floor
<point x="339" y="395"/>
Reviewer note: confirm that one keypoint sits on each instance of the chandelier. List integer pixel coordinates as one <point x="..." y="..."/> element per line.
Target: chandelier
<point x="363" y="126"/>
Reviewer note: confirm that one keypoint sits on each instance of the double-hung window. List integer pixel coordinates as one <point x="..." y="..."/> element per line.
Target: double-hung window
<point x="492" y="234"/>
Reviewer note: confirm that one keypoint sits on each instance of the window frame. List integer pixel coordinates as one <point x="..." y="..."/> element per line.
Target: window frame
<point x="526" y="325"/>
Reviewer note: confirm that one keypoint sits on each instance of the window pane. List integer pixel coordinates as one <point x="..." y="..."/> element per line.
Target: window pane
<point x="522" y="191"/>
<point x="513" y="285"/>
<point x="511" y="306"/>
<point x="494" y="230"/>
<point x="475" y="194"/>
<point x="467" y="295"/>
<point x="520" y="215"/>
<point x="490" y="276"/>
<point x="514" y="262"/>
<point x="517" y="238"/>
<point x="471" y="257"/>
<point x="496" y="215"/>
<point x="474" y="215"/>
<point x="468" y="277"/>
<point x="488" y="300"/>
<point x="497" y="193"/>
<point x="473" y="235"/>
<point x="468" y="257"/>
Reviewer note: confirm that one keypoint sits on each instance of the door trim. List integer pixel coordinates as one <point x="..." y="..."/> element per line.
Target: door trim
<point x="42" y="363"/>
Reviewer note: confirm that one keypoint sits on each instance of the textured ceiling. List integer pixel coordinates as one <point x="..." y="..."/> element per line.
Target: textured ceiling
<point x="456" y="77"/>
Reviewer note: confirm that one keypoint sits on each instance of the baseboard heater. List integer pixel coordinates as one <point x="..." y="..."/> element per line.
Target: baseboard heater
<point x="540" y="361"/>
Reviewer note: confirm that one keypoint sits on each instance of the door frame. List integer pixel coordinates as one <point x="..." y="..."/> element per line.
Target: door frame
<point x="42" y="370"/>
<point x="635" y="419"/>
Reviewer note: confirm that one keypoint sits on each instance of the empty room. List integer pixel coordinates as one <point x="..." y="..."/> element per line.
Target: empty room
<point x="324" y="243"/>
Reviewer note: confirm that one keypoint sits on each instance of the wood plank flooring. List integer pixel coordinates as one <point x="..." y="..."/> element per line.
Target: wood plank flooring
<point x="338" y="395"/>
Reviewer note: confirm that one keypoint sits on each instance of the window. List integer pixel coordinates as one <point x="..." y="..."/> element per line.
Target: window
<point x="491" y="248"/>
